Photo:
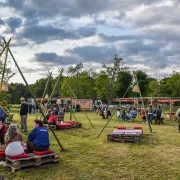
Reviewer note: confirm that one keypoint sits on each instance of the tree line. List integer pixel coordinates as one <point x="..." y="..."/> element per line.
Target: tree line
<point x="111" y="82"/>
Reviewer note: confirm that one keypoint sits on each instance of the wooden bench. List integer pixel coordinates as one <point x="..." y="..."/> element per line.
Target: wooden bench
<point x="52" y="126"/>
<point x="32" y="160"/>
<point x="124" y="138"/>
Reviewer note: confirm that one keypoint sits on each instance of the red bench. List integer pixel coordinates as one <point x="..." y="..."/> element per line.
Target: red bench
<point x="63" y="126"/>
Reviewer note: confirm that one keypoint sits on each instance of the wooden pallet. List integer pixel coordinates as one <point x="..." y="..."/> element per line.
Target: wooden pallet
<point x="52" y="126"/>
<point x="32" y="160"/>
<point x="124" y="138"/>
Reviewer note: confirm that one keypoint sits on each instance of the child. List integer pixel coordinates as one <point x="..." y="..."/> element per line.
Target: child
<point x="143" y="116"/>
<point x="123" y="115"/>
<point x="118" y="114"/>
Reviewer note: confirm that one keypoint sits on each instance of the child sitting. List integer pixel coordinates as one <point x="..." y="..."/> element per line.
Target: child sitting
<point x="52" y="119"/>
<point x="13" y="141"/>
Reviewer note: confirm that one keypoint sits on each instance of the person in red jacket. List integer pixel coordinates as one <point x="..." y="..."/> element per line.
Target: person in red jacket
<point x="2" y="132"/>
<point x="52" y="118"/>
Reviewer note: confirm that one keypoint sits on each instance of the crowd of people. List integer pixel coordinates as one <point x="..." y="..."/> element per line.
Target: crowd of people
<point x="151" y="114"/>
<point x="103" y="111"/>
<point x="38" y="138"/>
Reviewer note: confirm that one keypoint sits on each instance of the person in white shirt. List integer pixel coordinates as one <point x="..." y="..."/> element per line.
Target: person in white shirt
<point x="118" y="114"/>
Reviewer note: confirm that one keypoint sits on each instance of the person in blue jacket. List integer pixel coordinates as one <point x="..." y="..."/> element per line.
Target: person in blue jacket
<point x="2" y="116"/>
<point x="38" y="139"/>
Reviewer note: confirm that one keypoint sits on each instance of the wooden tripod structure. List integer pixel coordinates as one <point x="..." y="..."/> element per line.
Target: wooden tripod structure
<point x="41" y="110"/>
<point x="149" y="125"/>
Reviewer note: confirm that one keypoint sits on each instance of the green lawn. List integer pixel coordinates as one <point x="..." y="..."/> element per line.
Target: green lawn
<point x="87" y="157"/>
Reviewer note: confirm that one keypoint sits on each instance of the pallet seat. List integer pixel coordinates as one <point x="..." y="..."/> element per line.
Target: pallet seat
<point x="64" y="126"/>
<point x="19" y="156"/>
<point x="42" y="152"/>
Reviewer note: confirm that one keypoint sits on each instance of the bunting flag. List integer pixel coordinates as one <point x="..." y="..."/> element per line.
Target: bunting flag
<point x="135" y="84"/>
<point x="4" y="87"/>
<point x="136" y="89"/>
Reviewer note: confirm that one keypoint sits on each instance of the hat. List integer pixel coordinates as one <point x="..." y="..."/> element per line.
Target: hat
<point x="22" y="99"/>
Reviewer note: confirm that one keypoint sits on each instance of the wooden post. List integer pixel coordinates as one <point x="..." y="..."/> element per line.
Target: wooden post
<point x="149" y="125"/>
<point x="71" y="110"/>
<point x="5" y="63"/>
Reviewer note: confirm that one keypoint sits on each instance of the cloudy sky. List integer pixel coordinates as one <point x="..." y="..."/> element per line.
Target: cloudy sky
<point x="59" y="33"/>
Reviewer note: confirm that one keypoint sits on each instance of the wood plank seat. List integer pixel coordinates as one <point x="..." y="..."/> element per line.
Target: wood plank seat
<point x="52" y="126"/>
<point x="75" y="124"/>
<point x="63" y="126"/>
<point x="124" y="138"/>
<point x="32" y="160"/>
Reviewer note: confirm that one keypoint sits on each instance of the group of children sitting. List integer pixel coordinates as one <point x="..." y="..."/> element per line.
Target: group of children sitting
<point x="38" y="139"/>
<point x="149" y="114"/>
<point x="127" y="115"/>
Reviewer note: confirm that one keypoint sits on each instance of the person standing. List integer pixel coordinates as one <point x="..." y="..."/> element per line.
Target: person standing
<point x="159" y="114"/>
<point x="23" y="114"/>
<point x="150" y="114"/>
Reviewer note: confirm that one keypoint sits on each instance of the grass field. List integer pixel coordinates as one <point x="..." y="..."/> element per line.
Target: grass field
<point x="88" y="158"/>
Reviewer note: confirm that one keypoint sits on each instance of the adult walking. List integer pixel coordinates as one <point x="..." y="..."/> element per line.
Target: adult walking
<point x="23" y="114"/>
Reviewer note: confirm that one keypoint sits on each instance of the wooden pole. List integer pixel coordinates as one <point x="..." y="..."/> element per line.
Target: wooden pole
<point x="5" y="63"/>
<point x="52" y="93"/>
<point x="33" y="96"/>
<point x="71" y="110"/>
<point x="149" y="125"/>
<point x="82" y="109"/>
<point x="10" y="119"/>
<point x="44" y="92"/>
<point x="114" y="112"/>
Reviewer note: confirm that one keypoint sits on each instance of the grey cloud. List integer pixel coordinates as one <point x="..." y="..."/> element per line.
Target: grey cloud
<point x="119" y="38"/>
<point x="1" y="22"/>
<point x="86" y="32"/>
<point x="41" y="34"/>
<point x="55" y="59"/>
<point x="14" y="23"/>
<point x="18" y="4"/>
<point x="94" y="53"/>
<point x="76" y="8"/>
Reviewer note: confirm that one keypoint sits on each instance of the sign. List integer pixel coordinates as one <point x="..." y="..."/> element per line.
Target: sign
<point x="85" y="104"/>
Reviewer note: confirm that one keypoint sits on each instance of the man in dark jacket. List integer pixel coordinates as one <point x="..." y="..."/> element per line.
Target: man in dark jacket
<point x="23" y="114"/>
<point x="38" y="139"/>
<point x="159" y="114"/>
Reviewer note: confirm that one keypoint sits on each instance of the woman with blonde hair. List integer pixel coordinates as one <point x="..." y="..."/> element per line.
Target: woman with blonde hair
<point x="13" y="141"/>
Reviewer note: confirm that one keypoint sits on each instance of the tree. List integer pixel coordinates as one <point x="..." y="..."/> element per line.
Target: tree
<point x="143" y="81"/>
<point x="85" y="86"/>
<point x="102" y="86"/>
<point x="123" y="81"/>
<point x="173" y="84"/>
<point x="111" y="70"/>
